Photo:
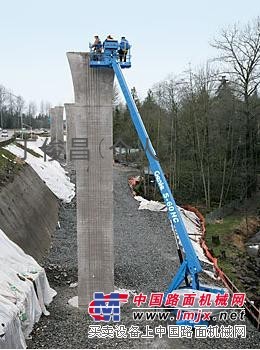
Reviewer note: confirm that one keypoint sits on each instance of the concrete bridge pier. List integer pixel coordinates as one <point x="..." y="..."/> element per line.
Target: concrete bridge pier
<point x="93" y="89"/>
<point x="52" y="124"/>
<point x="56" y="115"/>
<point x="56" y="150"/>
<point x="71" y="135"/>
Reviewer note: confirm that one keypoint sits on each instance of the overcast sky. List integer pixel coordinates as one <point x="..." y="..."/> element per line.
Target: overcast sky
<point x="166" y="36"/>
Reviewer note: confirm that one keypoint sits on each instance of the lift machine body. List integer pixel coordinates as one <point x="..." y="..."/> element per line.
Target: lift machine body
<point x="187" y="275"/>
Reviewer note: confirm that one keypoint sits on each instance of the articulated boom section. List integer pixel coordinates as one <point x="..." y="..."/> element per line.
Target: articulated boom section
<point x="190" y="265"/>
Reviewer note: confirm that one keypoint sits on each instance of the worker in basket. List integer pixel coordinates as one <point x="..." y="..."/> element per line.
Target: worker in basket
<point x="97" y="47"/>
<point x="109" y="38"/>
<point x="123" y="49"/>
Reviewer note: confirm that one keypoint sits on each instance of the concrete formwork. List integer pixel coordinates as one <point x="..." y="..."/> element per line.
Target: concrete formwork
<point x="93" y="89"/>
<point x="71" y="134"/>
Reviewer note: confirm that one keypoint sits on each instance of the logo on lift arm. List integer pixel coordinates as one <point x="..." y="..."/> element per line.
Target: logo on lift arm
<point x="106" y="307"/>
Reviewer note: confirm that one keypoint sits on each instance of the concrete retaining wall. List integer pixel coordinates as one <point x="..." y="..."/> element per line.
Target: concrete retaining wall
<point x="28" y="212"/>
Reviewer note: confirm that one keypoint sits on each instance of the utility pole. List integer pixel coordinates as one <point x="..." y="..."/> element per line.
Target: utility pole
<point x="10" y="94"/>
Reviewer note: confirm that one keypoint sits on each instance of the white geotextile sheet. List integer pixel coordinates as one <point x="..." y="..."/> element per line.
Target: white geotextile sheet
<point x="11" y="335"/>
<point x="24" y="292"/>
<point x="190" y="220"/>
<point x="50" y="172"/>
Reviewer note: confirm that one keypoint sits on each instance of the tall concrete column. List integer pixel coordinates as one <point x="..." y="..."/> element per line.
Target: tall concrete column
<point x="57" y="134"/>
<point x="93" y="90"/>
<point x="59" y="123"/>
<point x="71" y="134"/>
<point x="56" y="115"/>
<point x="52" y="124"/>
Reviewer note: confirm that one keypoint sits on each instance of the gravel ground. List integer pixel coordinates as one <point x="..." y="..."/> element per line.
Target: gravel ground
<point x="145" y="261"/>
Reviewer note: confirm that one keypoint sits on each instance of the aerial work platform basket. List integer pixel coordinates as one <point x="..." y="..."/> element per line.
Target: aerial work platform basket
<point x="103" y="57"/>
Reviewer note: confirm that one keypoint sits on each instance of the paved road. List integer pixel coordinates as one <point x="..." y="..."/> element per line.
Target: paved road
<point x="10" y="134"/>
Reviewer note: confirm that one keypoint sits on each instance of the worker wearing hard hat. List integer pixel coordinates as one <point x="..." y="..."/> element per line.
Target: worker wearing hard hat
<point x="109" y="38"/>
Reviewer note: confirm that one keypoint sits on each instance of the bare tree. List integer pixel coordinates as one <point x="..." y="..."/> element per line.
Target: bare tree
<point x="2" y="101"/>
<point x="19" y="106"/>
<point x="239" y="49"/>
<point x="42" y="107"/>
<point x="32" y="109"/>
<point x="47" y="107"/>
<point x="199" y="91"/>
<point x="166" y="94"/>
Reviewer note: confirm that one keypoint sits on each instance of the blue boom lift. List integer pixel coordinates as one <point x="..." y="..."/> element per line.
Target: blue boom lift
<point x="190" y="267"/>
